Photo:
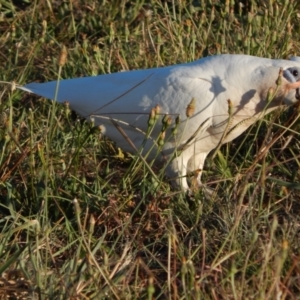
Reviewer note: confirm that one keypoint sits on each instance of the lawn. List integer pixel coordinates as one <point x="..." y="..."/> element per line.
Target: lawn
<point x="81" y="219"/>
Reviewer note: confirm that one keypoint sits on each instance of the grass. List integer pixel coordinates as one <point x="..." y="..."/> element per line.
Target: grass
<point x="79" y="220"/>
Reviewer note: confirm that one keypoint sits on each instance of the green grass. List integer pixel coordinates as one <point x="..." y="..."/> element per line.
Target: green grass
<point x="80" y="219"/>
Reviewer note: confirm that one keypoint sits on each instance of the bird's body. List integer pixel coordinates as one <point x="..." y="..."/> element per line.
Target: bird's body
<point x="129" y="97"/>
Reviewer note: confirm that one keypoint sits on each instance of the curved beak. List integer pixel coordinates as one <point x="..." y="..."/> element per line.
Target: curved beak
<point x="295" y="86"/>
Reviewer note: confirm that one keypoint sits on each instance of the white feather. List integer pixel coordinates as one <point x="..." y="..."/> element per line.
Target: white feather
<point x="295" y="58"/>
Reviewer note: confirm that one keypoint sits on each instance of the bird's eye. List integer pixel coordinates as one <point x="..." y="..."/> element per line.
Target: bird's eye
<point x="295" y="73"/>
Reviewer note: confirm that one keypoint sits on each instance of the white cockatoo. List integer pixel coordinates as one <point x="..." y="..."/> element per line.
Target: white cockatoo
<point x="216" y="98"/>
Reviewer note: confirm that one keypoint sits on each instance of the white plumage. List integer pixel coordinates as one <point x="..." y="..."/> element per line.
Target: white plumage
<point x="128" y="97"/>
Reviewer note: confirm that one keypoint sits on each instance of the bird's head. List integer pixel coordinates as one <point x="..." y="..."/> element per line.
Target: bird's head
<point x="292" y="75"/>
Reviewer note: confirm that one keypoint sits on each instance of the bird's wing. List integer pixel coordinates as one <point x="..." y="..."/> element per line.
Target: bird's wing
<point x="90" y="95"/>
<point x="128" y="95"/>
